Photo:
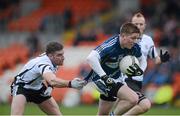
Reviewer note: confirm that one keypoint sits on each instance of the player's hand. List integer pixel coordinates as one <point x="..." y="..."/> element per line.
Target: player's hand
<point x="108" y="81"/>
<point x="134" y="70"/>
<point x="77" y="83"/>
<point x="164" y="57"/>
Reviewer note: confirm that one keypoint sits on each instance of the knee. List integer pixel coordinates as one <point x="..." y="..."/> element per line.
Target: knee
<point x="134" y="100"/>
<point x="145" y="106"/>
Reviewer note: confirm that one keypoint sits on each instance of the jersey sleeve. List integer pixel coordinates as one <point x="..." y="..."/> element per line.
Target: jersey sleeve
<point x="93" y="60"/>
<point x="152" y="53"/>
<point x="43" y="68"/>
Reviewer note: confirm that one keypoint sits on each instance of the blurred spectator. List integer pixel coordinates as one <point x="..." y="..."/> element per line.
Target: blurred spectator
<point x="175" y="60"/>
<point x="33" y="44"/>
<point x="78" y="38"/>
<point x="4" y="4"/>
<point x="68" y="20"/>
<point x="85" y="35"/>
<point x="158" y="76"/>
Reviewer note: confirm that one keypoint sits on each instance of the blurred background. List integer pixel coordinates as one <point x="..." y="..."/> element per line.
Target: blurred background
<point x="26" y="26"/>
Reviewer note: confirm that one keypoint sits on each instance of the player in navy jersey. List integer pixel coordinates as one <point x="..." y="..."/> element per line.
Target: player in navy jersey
<point x="104" y="61"/>
<point x="35" y="81"/>
<point x="148" y="50"/>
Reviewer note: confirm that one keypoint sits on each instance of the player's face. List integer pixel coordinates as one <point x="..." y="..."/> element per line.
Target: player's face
<point x="58" y="57"/>
<point x="140" y="23"/>
<point x="130" y="40"/>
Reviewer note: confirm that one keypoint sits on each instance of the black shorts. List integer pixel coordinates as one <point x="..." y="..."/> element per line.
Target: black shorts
<point x="35" y="96"/>
<point x="112" y="96"/>
<point x="136" y="86"/>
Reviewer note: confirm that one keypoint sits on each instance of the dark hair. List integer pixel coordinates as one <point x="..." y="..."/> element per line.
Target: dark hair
<point x="138" y="14"/>
<point x="53" y="47"/>
<point x="129" y="28"/>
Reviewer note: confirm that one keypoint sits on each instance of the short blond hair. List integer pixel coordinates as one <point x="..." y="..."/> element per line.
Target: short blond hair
<point x="129" y="28"/>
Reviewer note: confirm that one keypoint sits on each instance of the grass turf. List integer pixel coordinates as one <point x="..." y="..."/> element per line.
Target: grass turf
<point x="32" y="109"/>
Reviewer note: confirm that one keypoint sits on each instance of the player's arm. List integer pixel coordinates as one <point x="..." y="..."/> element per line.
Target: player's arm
<point x="48" y="75"/>
<point x="142" y="62"/>
<point x="157" y="60"/>
<point x="54" y="81"/>
<point x="153" y="54"/>
<point x="94" y="61"/>
<point x="163" y="57"/>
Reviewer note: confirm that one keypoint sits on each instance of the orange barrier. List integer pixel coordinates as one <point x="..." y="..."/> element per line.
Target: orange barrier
<point x="12" y="55"/>
<point x="87" y="98"/>
<point x="80" y="9"/>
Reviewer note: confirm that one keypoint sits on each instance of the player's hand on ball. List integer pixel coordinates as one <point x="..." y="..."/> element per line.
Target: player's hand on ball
<point x="108" y="81"/>
<point x="77" y="83"/>
<point x="164" y="57"/>
<point x="134" y="70"/>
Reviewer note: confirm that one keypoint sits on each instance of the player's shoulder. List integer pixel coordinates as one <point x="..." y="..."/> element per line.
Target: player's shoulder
<point x="136" y="46"/>
<point x="110" y="42"/>
<point x="112" y="39"/>
<point x="43" y="59"/>
<point x="136" y="50"/>
<point x="147" y="38"/>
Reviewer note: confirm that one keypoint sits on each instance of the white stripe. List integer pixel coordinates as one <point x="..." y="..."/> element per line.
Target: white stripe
<point x="15" y="89"/>
<point x="110" y="43"/>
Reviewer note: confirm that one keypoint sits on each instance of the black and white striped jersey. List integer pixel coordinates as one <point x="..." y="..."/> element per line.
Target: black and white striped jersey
<point x="30" y="75"/>
<point x="147" y="47"/>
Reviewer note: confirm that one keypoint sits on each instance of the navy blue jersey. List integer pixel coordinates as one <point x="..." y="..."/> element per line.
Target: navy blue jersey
<point x="111" y="53"/>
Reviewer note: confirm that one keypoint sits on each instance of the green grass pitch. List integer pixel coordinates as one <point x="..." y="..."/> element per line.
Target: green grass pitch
<point x="32" y="109"/>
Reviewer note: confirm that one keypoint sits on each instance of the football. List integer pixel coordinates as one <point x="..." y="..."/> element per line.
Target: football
<point x="126" y="62"/>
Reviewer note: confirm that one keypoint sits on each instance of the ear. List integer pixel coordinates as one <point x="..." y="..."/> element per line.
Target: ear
<point x="50" y="55"/>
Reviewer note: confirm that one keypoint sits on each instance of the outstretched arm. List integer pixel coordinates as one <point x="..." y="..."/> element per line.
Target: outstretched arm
<point x="54" y="81"/>
<point x="60" y="83"/>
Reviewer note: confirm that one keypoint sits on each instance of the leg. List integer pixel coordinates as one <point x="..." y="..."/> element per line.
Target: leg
<point x="18" y="104"/>
<point x="143" y="106"/>
<point x="121" y="107"/>
<point x="127" y="94"/>
<point x="104" y="107"/>
<point x="50" y="107"/>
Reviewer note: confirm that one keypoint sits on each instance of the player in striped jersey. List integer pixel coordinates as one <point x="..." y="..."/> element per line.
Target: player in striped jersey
<point x="35" y="81"/>
<point x="104" y="61"/>
<point x="148" y="49"/>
